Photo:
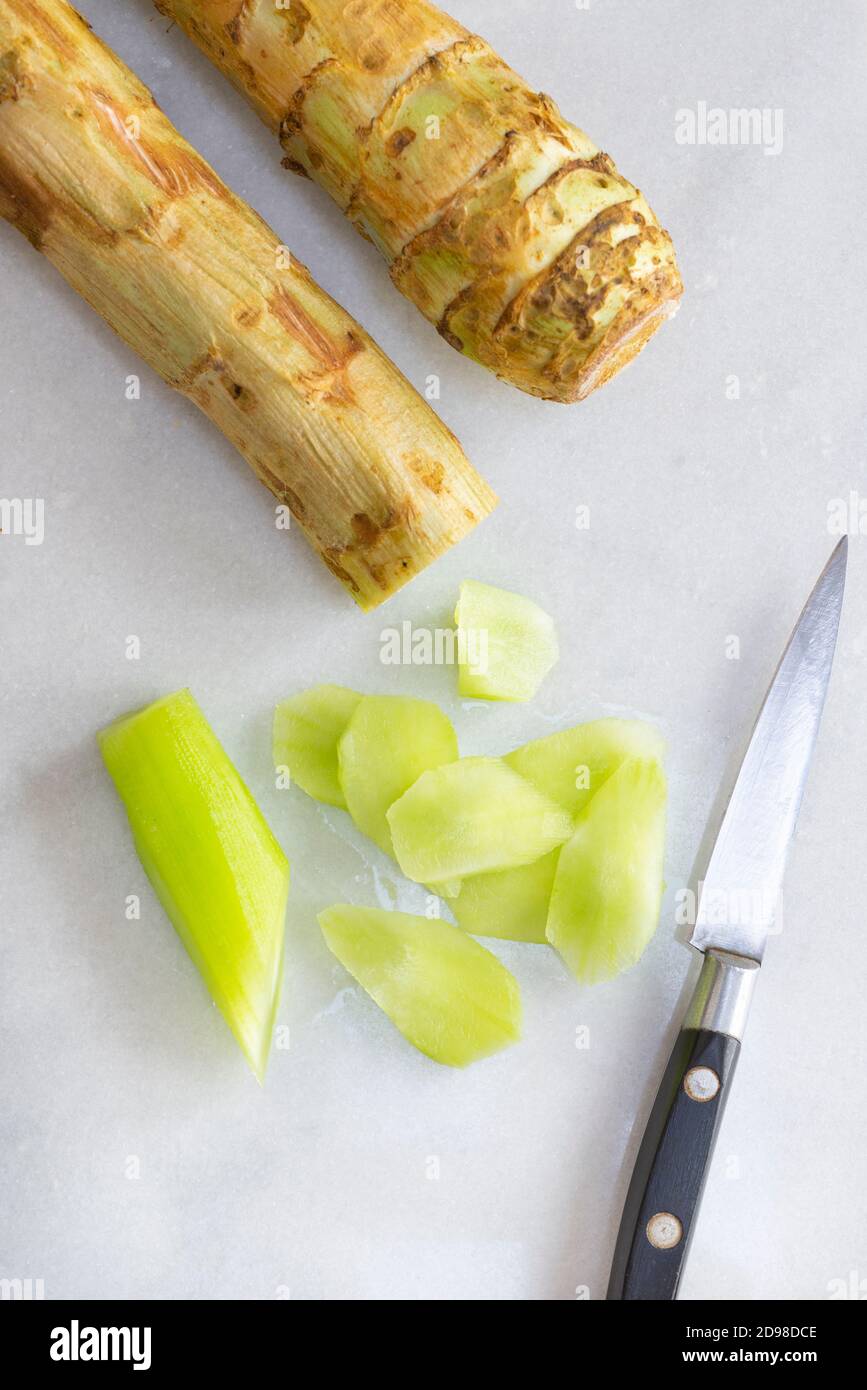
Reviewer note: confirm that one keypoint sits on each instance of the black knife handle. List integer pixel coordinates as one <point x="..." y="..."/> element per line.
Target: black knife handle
<point x="671" y="1169"/>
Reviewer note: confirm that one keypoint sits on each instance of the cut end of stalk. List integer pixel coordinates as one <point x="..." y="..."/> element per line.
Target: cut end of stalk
<point x="622" y="344"/>
<point x="386" y="554"/>
<point x="586" y="314"/>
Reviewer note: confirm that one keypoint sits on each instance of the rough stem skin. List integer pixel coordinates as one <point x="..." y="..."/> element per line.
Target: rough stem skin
<point x="505" y="225"/>
<point x="99" y="180"/>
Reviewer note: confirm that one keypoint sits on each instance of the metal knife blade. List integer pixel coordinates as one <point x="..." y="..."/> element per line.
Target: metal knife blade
<point x="740" y="895"/>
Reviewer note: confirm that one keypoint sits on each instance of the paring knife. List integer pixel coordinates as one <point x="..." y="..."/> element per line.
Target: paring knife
<point x="737" y="912"/>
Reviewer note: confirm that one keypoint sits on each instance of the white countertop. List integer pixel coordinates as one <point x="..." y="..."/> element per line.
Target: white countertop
<point x="140" y="1159"/>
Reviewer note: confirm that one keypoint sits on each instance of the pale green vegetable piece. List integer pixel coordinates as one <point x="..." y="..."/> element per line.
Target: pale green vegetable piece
<point x="608" y="885"/>
<point x="571" y="766"/>
<point x="214" y="864"/>
<point x="473" y="816"/>
<point x="389" y="742"/>
<point x="506" y="643"/>
<point x="449" y="997"/>
<point x="307" y="730"/>
<point x="511" y="904"/>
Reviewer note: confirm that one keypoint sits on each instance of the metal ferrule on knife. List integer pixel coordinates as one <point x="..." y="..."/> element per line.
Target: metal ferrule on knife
<point x="723" y="994"/>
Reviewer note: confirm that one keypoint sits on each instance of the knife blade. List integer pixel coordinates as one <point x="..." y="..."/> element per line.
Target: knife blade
<point x="738" y="909"/>
<point x="740" y="894"/>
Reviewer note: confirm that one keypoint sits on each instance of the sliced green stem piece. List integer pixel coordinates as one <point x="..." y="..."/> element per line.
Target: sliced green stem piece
<point x="214" y="864"/>
<point x="450" y="998"/>
<point x="571" y="766"/>
<point x="506" y="644"/>
<point x="470" y="817"/>
<point x="511" y="904"/>
<point x="307" y="730"/>
<point x="608" y="885"/>
<point x="388" y="743"/>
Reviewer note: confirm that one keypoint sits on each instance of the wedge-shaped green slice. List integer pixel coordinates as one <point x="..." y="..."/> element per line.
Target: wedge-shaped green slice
<point x="506" y="644"/>
<point x="511" y="904"/>
<point x="307" y="730"/>
<point x="449" y="997"/>
<point x="389" y="742"/>
<point x="608" y="885"/>
<point x="571" y="766"/>
<point x="474" y="816"/>
<point x="216" y="868"/>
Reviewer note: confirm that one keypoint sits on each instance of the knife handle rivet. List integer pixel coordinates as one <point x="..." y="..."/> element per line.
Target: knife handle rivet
<point x="701" y="1083"/>
<point x="664" y="1230"/>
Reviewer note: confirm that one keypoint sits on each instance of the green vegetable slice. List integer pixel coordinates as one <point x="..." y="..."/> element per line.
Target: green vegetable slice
<point x="506" y="644"/>
<point x="571" y="766"/>
<point x="449" y="997"/>
<point x="388" y="743"/>
<point x="608" y="885"/>
<point x="511" y="904"/>
<point x="307" y="730"/>
<point x="470" y="817"/>
<point x="214" y="864"/>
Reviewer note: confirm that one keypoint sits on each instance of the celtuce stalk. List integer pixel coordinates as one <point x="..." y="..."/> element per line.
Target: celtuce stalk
<point x="99" y="180"/>
<point x="505" y="224"/>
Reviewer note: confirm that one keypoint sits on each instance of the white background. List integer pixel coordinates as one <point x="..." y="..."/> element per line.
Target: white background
<point x="709" y="519"/>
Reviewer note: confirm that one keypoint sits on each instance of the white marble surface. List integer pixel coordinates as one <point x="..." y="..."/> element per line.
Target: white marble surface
<point x="709" y="518"/>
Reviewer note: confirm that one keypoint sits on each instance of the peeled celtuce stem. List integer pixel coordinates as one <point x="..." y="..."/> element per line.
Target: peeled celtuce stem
<point x="214" y="864"/>
<point x="505" y="225"/>
<point x="99" y="180"/>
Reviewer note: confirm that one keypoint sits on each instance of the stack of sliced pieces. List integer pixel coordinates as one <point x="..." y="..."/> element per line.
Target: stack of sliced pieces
<point x="560" y="841"/>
